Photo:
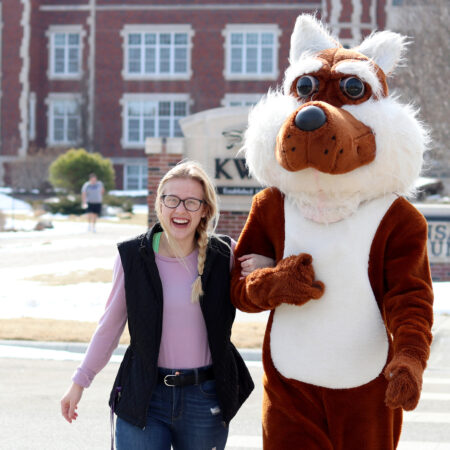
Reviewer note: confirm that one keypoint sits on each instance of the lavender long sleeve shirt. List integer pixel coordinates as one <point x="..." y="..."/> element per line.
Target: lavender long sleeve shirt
<point x="184" y="340"/>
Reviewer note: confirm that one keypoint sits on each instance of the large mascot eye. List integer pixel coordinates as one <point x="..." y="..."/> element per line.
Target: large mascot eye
<point x="307" y="85"/>
<point x="352" y="87"/>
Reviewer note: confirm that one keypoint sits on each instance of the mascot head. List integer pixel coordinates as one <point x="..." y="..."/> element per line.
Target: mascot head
<point x="332" y="137"/>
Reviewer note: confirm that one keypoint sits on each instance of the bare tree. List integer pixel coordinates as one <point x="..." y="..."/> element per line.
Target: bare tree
<point x="425" y="79"/>
<point x="31" y="172"/>
<point x="83" y="112"/>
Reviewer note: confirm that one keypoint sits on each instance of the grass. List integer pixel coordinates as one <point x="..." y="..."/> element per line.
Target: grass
<point x="244" y="335"/>
<point x="75" y="277"/>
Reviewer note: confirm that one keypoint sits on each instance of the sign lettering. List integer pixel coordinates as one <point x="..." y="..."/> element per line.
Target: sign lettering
<point x="238" y="190"/>
<point x="241" y="168"/>
<point x="222" y="166"/>
<point x="439" y="240"/>
<point x="220" y="163"/>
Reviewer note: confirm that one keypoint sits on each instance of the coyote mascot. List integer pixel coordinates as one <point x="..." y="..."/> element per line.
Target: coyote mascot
<point x="350" y="297"/>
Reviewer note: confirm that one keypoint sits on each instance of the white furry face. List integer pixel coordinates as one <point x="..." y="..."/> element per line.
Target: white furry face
<point x="399" y="138"/>
<point x="400" y="144"/>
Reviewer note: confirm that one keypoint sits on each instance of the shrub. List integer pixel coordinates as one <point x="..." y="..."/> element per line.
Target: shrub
<point x="2" y="221"/>
<point x="125" y="203"/>
<point x="70" y="204"/>
<point x="71" y="170"/>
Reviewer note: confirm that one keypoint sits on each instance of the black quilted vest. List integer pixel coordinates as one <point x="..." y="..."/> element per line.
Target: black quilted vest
<point x="137" y="375"/>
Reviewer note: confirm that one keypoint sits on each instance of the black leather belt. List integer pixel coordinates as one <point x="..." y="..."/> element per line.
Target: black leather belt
<point x="186" y="379"/>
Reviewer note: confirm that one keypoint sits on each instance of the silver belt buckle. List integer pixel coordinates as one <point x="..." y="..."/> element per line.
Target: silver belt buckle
<point x="166" y="382"/>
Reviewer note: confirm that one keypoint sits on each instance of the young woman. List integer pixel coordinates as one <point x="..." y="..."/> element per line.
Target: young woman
<point x="181" y="380"/>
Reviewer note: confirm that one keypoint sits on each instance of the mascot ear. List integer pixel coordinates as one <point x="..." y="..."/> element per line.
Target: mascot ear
<point x="385" y="48"/>
<point x="309" y="36"/>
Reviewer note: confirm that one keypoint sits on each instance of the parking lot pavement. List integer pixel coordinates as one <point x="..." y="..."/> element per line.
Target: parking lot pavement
<point x="30" y="416"/>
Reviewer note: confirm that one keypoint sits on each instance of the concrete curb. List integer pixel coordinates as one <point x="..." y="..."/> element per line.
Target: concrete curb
<point x="248" y="354"/>
<point x="441" y="324"/>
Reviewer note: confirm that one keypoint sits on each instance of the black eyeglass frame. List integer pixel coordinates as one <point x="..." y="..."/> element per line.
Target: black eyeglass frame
<point x="182" y="201"/>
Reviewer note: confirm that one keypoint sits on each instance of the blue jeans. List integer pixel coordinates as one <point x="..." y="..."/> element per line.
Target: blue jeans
<point x="188" y="418"/>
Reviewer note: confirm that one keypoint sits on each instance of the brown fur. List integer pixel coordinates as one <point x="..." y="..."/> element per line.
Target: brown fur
<point x="301" y="416"/>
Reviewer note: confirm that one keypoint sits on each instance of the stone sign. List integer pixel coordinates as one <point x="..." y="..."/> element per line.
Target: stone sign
<point x="214" y="138"/>
<point x="438" y="218"/>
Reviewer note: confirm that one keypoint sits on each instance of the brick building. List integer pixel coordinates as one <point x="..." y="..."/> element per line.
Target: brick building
<point x="106" y="74"/>
<point x="109" y="74"/>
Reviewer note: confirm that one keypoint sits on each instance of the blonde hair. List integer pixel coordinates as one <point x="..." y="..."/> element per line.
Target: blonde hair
<point x="193" y="170"/>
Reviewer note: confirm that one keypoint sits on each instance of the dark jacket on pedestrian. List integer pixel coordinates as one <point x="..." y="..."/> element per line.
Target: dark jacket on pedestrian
<point x="138" y="372"/>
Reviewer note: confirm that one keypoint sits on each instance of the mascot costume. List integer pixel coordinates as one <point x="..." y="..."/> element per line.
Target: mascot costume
<point x="350" y="297"/>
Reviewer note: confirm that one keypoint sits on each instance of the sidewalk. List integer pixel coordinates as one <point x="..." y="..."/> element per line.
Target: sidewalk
<point x="74" y="351"/>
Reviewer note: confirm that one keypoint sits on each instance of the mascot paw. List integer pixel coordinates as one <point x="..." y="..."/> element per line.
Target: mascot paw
<point x="291" y="281"/>
<point x="404" y="375"/>
<point x="298" y="277"/>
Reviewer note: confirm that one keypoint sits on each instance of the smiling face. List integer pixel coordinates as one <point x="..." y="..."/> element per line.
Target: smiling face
<point x="180" y="223"/>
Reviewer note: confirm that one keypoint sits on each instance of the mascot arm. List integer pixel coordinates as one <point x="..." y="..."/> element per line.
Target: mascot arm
<point x="290" y="281"/>
<point x="408" y="306"/>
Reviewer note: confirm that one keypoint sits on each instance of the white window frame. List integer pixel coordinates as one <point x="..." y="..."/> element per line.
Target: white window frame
<point x="243" y="99"/>
<point x="142" y="180"/>
<point x="251" y="28"/>
<point x="127" y="98"/>
<point x="157" y="29"/>
<point x="66" y="98"/>
<point x="67" y="29"/>
<point x="32" y="116"/>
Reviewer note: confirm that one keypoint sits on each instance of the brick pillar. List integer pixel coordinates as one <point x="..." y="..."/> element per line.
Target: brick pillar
<point x="231" y="223"/>
<point x="158" y="165"/>
<point x="440" y="271"/>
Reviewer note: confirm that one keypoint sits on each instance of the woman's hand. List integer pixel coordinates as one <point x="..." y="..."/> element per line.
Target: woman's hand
<point x="69" y="402"/>
<point x="251" y="262"/>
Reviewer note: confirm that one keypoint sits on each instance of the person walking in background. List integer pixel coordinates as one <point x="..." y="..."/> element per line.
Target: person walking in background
<point x="91" y="198"/>
<point x="181" y="380"/>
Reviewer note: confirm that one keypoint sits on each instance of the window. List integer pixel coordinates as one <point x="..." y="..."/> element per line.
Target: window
<point x="63" y="120"/>
<point x="150" y="116"/>
<point x="135" y="177"/>
<point x="241" y="99"/>
<point x="65" y="51"/>
<point x="251" y="51"/>
<point x="157" y="52"/>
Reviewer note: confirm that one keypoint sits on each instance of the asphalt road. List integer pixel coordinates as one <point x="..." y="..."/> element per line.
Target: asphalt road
<point x="30" y="390"/>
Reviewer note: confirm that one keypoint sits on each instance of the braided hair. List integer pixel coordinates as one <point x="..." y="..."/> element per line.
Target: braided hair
<point x="206" y="228"/>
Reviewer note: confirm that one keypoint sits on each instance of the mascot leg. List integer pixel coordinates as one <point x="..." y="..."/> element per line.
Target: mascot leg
<point x="293" y="414"/>
<point x="300" y="416"/>
<point x="358" y="418"/>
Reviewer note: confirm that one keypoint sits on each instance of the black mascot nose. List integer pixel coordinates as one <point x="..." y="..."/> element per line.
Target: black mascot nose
<point x="310" y="118"/>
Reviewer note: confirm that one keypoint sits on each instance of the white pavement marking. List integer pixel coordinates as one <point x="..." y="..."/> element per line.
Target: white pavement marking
<point x="432" y="380"/>
<point x="10" y="351"/>
<point x="423" y="446"/>
<point x="241" y="441"/>
<point x="434" y="396"/>
<point x="426" y="417"/>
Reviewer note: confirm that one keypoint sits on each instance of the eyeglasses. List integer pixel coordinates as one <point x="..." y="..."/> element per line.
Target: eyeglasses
<point x="191" y="204"/>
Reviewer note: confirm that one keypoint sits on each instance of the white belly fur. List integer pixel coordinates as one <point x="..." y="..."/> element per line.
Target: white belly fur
<point x="339" y="341"/>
